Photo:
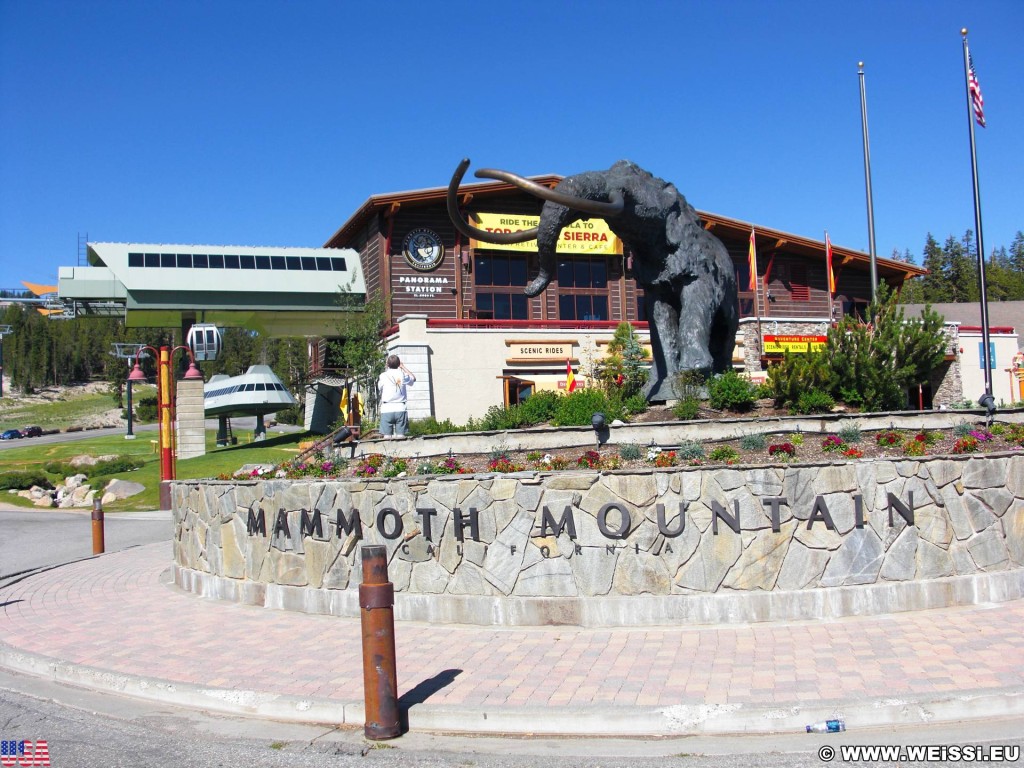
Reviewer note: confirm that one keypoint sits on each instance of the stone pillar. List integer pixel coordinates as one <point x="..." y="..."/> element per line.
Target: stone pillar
<point x="191" y="427"/>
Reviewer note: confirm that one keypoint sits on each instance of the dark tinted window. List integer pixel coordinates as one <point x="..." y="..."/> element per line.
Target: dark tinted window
<point x="185" y="260"/>
<point x="135" y="260"/>
<point x="483" y="270"/>
<point x="276" y="262"/>
<point x="199" y="260"/>
<point x="168" y="260"/>
<point x="323" y="263"/>
<point x="152" y="259"/>
<point x="309" y="263"/>
<point x="247" y="262"/>
<point x="294" y="262"/>
<point x="338" y="264"/>
<point x="216" y="261"/>
<point x="230" y="262"/>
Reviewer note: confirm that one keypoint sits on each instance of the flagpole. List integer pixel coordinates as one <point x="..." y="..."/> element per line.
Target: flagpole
<point x="983" y="298"/>
<point x="828" y="278"/>
<point x="867" y="182"/>
<point x="754" y="281"/>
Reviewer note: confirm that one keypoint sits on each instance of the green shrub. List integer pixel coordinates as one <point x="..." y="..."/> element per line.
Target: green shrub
<point x="724" y="453"/>
<point x="850" y="433"/>
<point x="814" y="401"/>
<point x="686" y="409"/>
<point x="753" y="442"/>
<point x="689" y="384"/>
<point x="62" y="468"/>
<point x="146" y="409"/>
<point x="498" y="418"/>
<point x="690" y="450"/>
<point x="631" y="451"/>
<point x="114" y="466"/>
<point x="431" y="426"/>
<point x="635" y="404"/>
<point x="963" y="429"/>
<point x="290" y="415"/>
<point x="731" y="392"/>
<point x="23" y="480"/>
<point x="577" y="408"/>
<point x="540" y="407"/>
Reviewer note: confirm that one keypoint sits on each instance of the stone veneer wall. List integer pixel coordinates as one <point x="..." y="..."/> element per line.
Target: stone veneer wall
<point x="966" y="544"/>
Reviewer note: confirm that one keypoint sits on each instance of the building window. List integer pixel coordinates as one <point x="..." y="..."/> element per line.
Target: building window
<point x="499" y="280"/>
<point x="583" y="289"/>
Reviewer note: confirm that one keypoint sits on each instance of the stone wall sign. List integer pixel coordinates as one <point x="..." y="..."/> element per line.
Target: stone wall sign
<point x="613" y="547"/>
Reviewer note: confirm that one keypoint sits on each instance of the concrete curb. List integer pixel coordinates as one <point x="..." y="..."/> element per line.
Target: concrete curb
<point x="682" y="720"/>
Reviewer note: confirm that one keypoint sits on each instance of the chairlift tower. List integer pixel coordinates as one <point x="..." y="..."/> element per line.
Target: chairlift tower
<point x="129" y="352"/>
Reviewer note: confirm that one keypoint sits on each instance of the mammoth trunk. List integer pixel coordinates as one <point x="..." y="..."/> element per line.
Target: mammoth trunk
<point x="553" y="218"/>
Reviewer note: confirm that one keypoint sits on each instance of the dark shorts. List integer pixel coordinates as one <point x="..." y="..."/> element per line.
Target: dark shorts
<point x="394" y="423"/>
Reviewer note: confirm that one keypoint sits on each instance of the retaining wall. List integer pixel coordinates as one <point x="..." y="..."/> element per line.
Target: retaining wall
<point x="619" y="548"/>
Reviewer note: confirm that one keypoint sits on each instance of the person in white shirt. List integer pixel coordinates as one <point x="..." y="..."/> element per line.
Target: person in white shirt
<point x="394" y="410"/>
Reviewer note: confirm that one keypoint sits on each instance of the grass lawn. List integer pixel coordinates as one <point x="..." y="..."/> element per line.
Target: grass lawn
<point x="217" y="461"/>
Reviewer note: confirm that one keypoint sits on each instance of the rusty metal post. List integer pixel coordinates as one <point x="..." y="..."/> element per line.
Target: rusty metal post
<point x="380" y="678"/>
<point x="97" y="527"/>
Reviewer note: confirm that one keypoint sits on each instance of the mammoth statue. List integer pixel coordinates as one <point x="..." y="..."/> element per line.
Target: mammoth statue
<point x="685" y="271"/>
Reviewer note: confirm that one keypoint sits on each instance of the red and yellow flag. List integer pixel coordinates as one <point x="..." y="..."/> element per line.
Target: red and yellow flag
<point x="828" y="266"/>
<point x="570" y="377"/>
<point x="752" y="257"/>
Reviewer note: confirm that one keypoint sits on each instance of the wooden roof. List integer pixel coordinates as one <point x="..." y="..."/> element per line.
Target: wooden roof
<point x="767" y="239"/>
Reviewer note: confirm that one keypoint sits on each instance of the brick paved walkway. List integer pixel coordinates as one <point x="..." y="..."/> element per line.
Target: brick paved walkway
<point x="113" y="613"/>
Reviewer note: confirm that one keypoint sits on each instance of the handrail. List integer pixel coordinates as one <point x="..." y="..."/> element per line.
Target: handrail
<point x="543" y="324"/>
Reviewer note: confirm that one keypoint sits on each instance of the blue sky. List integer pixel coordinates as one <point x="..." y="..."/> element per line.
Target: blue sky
<point x="269" y="123"/>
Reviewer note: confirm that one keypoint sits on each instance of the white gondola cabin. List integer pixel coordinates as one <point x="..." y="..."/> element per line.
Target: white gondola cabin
<point x="205" y="341"/>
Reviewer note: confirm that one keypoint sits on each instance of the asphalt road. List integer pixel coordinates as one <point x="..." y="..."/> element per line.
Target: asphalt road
<point x="83" y="728"/>
<point x="41" y="538"/>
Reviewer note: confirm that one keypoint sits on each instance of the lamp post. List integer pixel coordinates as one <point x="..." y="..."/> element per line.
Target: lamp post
<point x="4" y="330"/>
<point x="129" y="352"/>
<point x="165" y="406"/>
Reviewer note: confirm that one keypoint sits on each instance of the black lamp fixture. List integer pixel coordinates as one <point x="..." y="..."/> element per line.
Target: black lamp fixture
<point x="988" y="402"/>
<point x="597" y="421"/>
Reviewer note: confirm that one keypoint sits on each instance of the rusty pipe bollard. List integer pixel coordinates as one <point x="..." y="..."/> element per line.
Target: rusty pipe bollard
<point x="97" y="527"/>
<point x="380" y="678"/>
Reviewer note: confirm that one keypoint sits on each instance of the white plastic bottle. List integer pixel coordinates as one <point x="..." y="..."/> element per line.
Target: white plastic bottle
<point x="827" y="726"/>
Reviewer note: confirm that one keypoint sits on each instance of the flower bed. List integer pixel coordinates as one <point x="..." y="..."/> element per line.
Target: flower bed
<point x="800" y="447"/>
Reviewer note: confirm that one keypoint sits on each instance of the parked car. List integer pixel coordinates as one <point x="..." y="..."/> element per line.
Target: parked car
<point x="32" y="432"/>
<point x="10" y="434"/>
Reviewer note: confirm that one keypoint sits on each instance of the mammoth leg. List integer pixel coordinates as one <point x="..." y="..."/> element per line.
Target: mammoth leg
<point x="664" y="326"/>
<point x="723" y="335"/>
<point x="697" y="312"/>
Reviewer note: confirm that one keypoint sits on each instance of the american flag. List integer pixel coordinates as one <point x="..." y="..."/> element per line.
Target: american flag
<point x="24" y="753"/>
<point x="975" y="90"/>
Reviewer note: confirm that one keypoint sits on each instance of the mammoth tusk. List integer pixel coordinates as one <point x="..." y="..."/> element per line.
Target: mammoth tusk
<point x="611" y="208"/>
<point x="468" y="229"/>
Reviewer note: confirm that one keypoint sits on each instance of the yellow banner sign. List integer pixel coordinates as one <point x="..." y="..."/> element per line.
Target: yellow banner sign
<point x="589" y="236"/>
<point x="796" y="344"/>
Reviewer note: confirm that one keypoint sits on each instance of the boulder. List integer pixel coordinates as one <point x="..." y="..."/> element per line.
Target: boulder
<point x="121" y="489"/>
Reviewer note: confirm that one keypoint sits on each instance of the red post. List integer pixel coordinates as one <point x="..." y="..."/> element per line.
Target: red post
<point x="380" y="678"/>
<point x="166" y="426"/>
<point x="98" y="545"/>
